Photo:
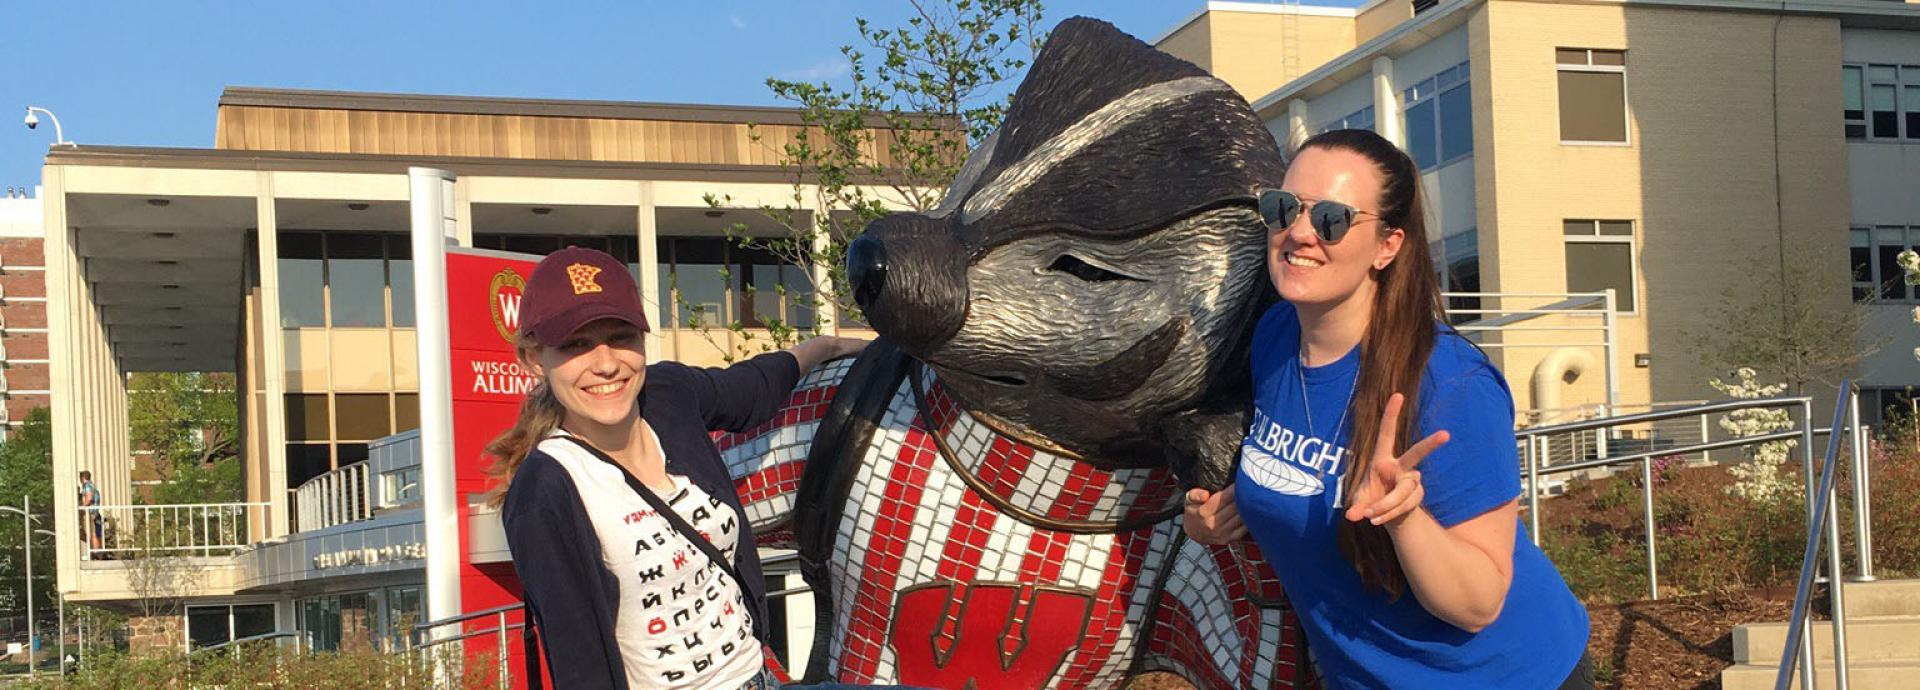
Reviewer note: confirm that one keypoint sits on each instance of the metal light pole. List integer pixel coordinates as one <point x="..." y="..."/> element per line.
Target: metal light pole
<point x="26" y="538"/>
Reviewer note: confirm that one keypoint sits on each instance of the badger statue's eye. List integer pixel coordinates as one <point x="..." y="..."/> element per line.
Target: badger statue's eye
<point x="1079" y="268"/>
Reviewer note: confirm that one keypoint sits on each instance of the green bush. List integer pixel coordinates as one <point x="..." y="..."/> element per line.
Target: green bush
<point x="267" y="666"/>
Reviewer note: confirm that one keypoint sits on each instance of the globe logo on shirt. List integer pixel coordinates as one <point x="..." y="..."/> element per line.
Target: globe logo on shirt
<point x="1278" y="475"/>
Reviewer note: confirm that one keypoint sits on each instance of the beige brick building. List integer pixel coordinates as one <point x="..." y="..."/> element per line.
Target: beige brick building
<point x="1668" y="150"/>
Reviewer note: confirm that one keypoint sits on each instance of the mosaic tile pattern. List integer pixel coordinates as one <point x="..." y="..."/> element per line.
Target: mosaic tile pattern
<point x="934" y="585"/>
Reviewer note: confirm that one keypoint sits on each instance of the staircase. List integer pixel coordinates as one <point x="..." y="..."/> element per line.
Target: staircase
<point x="1883" y="643"/>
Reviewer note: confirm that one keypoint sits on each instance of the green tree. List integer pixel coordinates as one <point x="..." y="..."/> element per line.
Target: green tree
<point x="26" y="469"/>
<point x="917" y="97"/>
<point x="190" y="423"/>
<point x="1790" y="327"/>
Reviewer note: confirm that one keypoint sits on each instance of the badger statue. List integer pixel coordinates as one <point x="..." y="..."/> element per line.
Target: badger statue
<point x="989" y="497"/>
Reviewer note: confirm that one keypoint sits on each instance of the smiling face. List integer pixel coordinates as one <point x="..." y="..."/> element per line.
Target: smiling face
<point x="595" y="374"/>
<point x="1313" y="274"/>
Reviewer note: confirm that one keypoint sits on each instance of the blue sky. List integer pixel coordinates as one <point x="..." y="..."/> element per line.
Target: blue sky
<point x="149" y="73"/>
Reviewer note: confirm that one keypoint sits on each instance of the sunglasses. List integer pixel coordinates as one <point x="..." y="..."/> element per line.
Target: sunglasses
<point x="1330" y="219"/>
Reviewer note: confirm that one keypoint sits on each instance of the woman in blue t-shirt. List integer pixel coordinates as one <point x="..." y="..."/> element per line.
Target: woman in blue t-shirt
<point x="1379" y="473"/>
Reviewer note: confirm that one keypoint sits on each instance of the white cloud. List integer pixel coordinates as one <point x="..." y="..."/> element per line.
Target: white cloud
<point x="736" y="21"/>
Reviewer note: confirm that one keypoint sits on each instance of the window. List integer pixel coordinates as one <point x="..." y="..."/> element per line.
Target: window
<point x="1358" y="119"/>
<point x="1456" y="259"/>
<point x="1599" y="257"/>
<point x="1874" y="255"/>
<point x="211" y="625"/>
<point x="1593" y="95"/>
<point x="1881" y="101"/>
<point x="1439" y="114"/>
<point x="362" y="416"/>
<point x="302" y="281"/>
<point x="345" y="279"/>
<point x="719" y="282"/>
<point x="1881" y="406"/>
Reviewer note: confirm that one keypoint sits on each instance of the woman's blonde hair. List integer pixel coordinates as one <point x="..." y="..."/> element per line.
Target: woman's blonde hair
<point x="540" y="414"/>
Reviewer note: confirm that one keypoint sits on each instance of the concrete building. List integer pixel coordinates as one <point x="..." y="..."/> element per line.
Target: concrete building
<point x="282" y="255"/>
<point x="1669" y="150"/>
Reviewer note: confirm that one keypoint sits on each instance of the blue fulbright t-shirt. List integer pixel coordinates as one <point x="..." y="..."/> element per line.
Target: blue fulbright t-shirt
<point x="1287" y="488"/>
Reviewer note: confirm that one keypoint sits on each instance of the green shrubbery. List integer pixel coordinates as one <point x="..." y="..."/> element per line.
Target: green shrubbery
<point x="266" y="666"/>
<point x="1713" y="542"/>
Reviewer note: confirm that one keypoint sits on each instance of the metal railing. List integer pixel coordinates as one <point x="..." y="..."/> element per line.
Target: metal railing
<point x="1533" y="469"/>
<point x="422" y="642"/>
<point x="295" y="635"/>
<point x="191" y="529"/>
<point x="1822" y="524"/>
<point x="336" y="497"/>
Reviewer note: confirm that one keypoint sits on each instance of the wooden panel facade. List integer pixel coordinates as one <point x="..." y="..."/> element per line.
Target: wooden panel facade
<point x="512" y="136"/>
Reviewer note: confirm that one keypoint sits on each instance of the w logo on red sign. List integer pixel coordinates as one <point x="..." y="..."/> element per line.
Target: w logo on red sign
<point x="955" y="635"/>
<point x="503" y="300"/>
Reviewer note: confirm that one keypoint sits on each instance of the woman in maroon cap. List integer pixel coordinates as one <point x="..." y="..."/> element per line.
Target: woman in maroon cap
<point x="638" y="566"/>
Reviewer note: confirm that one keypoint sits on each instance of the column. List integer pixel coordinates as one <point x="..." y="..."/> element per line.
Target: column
<point x="1386" y="103"/>
<point x="648" y="235"/>
<point x="1297" y="128"/>
<point x="273" y="360"/>
<point x="58" y="246"/>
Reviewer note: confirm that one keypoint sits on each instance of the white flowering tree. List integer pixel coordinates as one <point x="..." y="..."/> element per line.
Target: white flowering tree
<point x="1759" y="478"/>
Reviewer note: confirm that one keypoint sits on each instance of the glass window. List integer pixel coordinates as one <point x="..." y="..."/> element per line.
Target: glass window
<point x="1886" y="117"/>
<point x="1570" y="56"/>
<point x="1854" y="101"/>
<point x="356" y="279"/>
<point x="253" y="619"/>
<point x="307" y="418"/>
<point x="362" y="416"/>
<point x="306" y="461"/>
<point x="1614" y="58"/>
<point x="1597" y="266"/>
<point x="208" y="626"/>
<point x="1593" y="106"/>
<point x="406" y="412"/>
<point x="400" y="280"/>
<point x="1421" y="135"/>
<point x="800" y="307"/>
<point x="1456" y="122"/>
<point x="302" y="294"/>
<point x="697" y="268"/>
<point x="350" y="453"/>
<point x="1893" y="284"/>
<point x="1460" y="256"/>
<point x="531" y="244"/>
<point x="1910" y="95"/>
<point x="403" y="610"/>
<point x="356" y="622"/>
<point x="1860" y="258"/>
<point x="1615" y="228"/>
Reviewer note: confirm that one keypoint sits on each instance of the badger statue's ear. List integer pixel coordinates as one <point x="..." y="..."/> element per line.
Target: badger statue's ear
<point x="1156" y="136"/>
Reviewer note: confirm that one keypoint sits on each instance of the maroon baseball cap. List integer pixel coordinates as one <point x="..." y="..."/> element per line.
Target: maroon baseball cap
<point x="574" y="287"/>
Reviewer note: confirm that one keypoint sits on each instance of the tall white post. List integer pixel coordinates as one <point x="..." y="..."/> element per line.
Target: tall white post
<point x="434" y="227"/>
<point x="26" y="542"/>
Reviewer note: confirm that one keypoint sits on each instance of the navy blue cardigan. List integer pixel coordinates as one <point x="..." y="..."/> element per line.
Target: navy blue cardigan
<point x="555" y="551"/>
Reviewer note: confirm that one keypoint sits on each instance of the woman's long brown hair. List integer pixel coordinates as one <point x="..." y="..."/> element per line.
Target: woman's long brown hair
<point x="540" y="414"/>
<point x="1399" y="337"/>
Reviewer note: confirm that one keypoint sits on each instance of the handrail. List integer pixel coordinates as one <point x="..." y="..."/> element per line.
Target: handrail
<point x="1801" y="619"/>
<point x="277" y="634"/>
<point x="1658" y="415"/>
<point x="1533" y="470"/>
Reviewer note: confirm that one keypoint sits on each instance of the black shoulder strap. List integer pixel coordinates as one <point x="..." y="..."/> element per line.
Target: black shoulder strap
<point x="673" y="518"/>
<point x="529" y="638"/>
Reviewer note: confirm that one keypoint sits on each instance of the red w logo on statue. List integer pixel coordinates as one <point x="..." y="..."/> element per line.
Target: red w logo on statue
<point x="956" y="635"/>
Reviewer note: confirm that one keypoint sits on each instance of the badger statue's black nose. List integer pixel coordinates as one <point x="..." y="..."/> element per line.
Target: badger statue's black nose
<point x="909" y="275"/>
<point x="867" y="269"/>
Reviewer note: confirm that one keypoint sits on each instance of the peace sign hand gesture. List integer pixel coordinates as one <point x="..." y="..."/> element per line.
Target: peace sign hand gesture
<point x="1392" y="489"/>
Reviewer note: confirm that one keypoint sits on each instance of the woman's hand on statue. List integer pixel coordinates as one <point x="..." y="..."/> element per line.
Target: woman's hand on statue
<point x="1393" y="490"/>
<point x="823" y="348"/>
<point x="1211" y="517"/>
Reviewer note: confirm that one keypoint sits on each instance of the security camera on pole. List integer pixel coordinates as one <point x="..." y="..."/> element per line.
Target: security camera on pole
<point x="59" y="137"/>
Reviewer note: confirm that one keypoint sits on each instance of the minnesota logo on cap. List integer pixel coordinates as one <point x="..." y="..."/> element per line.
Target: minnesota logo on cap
<point x="582" y="277"/>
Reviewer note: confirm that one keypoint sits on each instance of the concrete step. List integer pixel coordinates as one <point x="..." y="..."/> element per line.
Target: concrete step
<point x="1861" y="675"/>
<point x="1883" y="598"/>
<point x="1868" y="639"/>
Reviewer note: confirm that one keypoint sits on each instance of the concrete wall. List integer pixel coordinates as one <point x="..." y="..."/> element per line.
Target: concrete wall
<point x="1880" y="184"/>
